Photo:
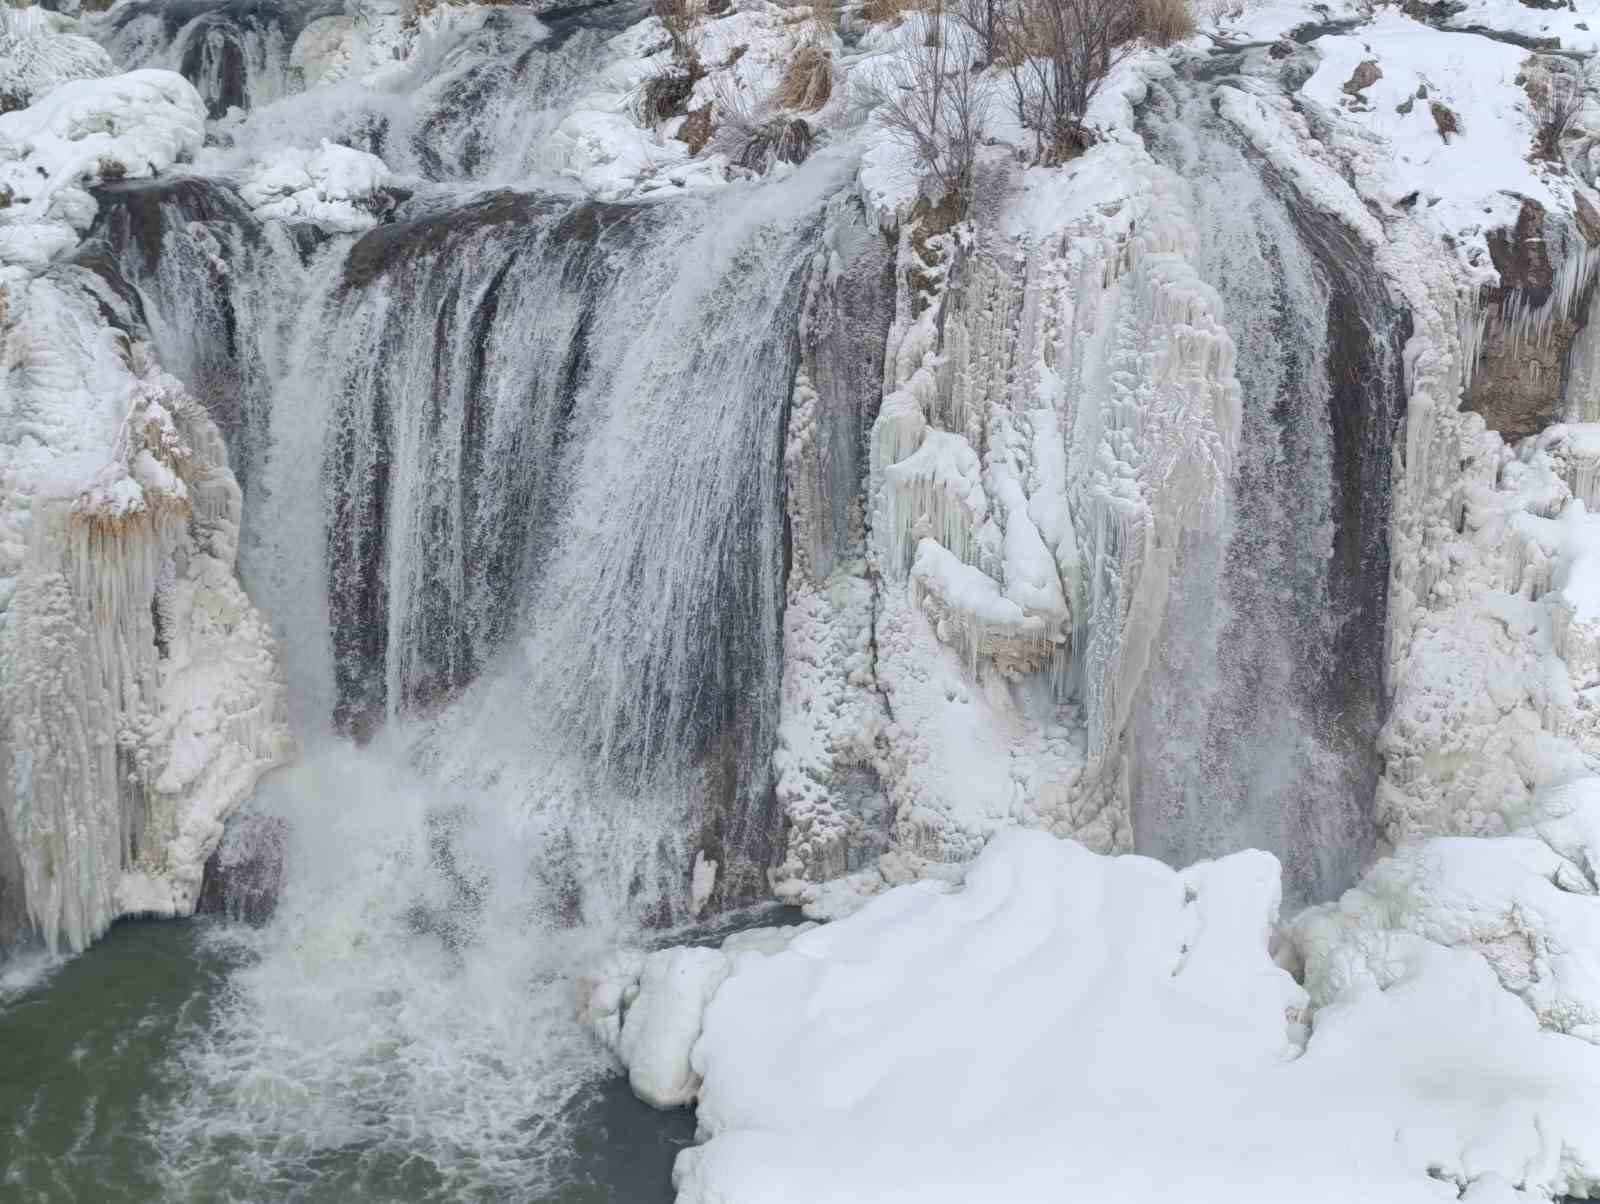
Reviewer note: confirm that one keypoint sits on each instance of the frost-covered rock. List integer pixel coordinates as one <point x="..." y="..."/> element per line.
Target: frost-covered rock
<point x="127" y="127"/>
<point x="1528" y="903"/>
<point x="35" y="57"/>
<point x="335" y="187"/>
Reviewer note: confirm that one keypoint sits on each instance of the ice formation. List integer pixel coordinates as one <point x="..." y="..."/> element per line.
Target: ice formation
<point x="34" y="58"/>
<point x="139" y="700"/>
<point x="140" y="697"/>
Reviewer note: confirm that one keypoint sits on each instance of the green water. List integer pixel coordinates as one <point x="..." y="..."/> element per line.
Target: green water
<point x="91" y="1077"/>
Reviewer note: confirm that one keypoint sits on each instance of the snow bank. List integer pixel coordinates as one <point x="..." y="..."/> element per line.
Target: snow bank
<point x="1111" y="1027"/>
<point x="127" y="127"/>
<point x="1468" y="180"/>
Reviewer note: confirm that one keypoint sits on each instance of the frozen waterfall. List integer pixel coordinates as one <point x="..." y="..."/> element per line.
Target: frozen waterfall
<point x="1257" y="722"/>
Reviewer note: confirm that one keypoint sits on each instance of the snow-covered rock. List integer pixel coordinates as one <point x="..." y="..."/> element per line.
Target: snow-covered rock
<point x="127" y="127"/>
<point x="335" y="187"/>
<point x="35" y="57"/>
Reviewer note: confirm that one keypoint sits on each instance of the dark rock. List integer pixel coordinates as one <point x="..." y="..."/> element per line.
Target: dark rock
<point x="1364" y="76"/>
<point x="1519" y="381"/>
<point x="1588" y="218"/>
<point x="244" y="877"/>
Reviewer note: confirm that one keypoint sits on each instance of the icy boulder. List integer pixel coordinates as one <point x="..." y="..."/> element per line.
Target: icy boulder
<point x="1117" y="1028"/>
<point x="34" y="58"/>
<point x="130" y="127"/>
<point x="335" y="187"/>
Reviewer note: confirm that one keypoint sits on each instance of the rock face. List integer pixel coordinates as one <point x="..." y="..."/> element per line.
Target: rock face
<point x="1530" y="321"/>
<point x="244" y="875"/>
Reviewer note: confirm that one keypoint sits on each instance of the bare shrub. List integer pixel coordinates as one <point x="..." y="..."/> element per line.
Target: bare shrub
<point x="750" y="135"/>
<point x="1557" y="93"/>
<point x="984" y="21"/>
<point x="678" y="18"/>
<point x="808" y="80"/>
<point x="780" y="140"/>
<point x="666" y="93"/>
<point x="1059" y="52"/>
<point x="934" y="104"/>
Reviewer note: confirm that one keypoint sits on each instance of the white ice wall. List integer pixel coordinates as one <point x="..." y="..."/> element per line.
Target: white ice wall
<point x="1059" y="406"/>
<point x="139" y="696"/>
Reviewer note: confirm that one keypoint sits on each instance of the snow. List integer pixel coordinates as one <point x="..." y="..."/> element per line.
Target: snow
<point x="1468" y="181"/>
<point x="335" y="187"/>
<point x="130" y="126"/>
<point x="1118" y="1026"/>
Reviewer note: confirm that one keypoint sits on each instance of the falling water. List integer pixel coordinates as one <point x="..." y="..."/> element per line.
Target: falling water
<point x="513" y="501"/>
<point x="1257" y="722"/>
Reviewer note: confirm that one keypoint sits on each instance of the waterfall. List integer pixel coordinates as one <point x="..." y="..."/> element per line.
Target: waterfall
<point x="1256" y="725"/>
<point x="514" y="505"/>
<point x="235" y="53"/>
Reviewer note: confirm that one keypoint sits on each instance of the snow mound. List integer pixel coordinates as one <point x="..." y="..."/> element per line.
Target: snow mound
<point x="130" y="126"/>
<point x="1529" y="904"/>
<point x="335" y="187"/>
<point x="34" y="58"/>
<point x="1075" y="1026"/>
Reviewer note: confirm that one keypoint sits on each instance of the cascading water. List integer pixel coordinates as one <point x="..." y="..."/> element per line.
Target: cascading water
<point x="235" y="53"/>
<point x="1257" y="722"/>
<point x="554" y="568"/>
<point x="513" y="473"/>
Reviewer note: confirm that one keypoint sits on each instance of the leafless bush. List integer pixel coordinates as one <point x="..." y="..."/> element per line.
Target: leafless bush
<point x="780" y="140"/>
<point x="984" y="21"/>
<point x="666" y="93"/>
<point x="1059" y="52"/>
<point x="753" y="136"/>
<point x="678" y="17"/>
<point x="933" y="103"/>
<point x="1557" y="92"/>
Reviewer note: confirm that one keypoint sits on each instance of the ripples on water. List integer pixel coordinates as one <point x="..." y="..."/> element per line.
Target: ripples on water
<point x="115" y="1086"/>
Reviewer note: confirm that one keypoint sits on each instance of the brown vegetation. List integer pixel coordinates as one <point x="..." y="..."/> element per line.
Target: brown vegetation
<point x="808" y="81"/>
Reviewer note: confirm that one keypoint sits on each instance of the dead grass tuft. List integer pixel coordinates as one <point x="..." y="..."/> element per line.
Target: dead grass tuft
<point x="878" y="11"/>
<point x="808" y="81"/>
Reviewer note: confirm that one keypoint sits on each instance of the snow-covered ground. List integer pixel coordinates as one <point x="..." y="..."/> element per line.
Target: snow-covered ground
<point x="1073" y="1026"/>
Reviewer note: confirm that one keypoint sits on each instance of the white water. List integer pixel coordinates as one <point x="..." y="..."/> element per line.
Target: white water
<point x="514" y="508"/>
<point x="1254" y="729"/>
